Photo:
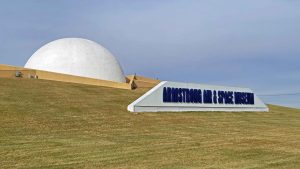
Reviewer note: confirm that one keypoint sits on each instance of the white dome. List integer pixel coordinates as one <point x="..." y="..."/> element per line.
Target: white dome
<point x="79" y="57"/>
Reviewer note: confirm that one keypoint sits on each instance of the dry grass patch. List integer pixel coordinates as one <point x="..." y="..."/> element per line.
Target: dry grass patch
<point x="46" y="124"/>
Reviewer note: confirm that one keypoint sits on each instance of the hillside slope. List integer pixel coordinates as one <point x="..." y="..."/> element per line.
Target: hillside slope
<point x="46" y="124"/>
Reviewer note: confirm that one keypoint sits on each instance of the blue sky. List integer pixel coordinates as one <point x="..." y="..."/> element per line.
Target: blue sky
<point x="249" y="43"/>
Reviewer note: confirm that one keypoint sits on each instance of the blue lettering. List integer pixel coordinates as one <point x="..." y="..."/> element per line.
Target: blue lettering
<point x="207" y="96"/>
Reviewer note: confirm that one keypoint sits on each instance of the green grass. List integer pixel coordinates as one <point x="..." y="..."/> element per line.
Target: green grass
<point x="46" y="124"/>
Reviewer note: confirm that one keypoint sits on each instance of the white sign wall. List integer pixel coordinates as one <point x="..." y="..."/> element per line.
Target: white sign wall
<point x="174" y="96"/>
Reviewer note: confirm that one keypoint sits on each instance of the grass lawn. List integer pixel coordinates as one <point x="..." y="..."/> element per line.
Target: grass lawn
<point x="46" y="124"/>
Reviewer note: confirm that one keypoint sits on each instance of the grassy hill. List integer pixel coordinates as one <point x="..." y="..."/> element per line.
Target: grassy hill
<point x="46" y="124"/>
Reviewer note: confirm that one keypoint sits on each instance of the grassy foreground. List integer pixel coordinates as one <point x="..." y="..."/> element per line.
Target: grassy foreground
<point x="45" y="124"/>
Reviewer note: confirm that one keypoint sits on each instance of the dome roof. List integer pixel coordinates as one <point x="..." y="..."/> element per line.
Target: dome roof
<point x="79" y="57"/>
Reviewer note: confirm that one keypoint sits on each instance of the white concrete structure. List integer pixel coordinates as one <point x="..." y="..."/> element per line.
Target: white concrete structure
<point x="79" y="57"/>
<point x="174" y="96"/>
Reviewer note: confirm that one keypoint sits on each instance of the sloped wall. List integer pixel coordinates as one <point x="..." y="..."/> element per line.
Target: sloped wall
<point x="7" y="71"/>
